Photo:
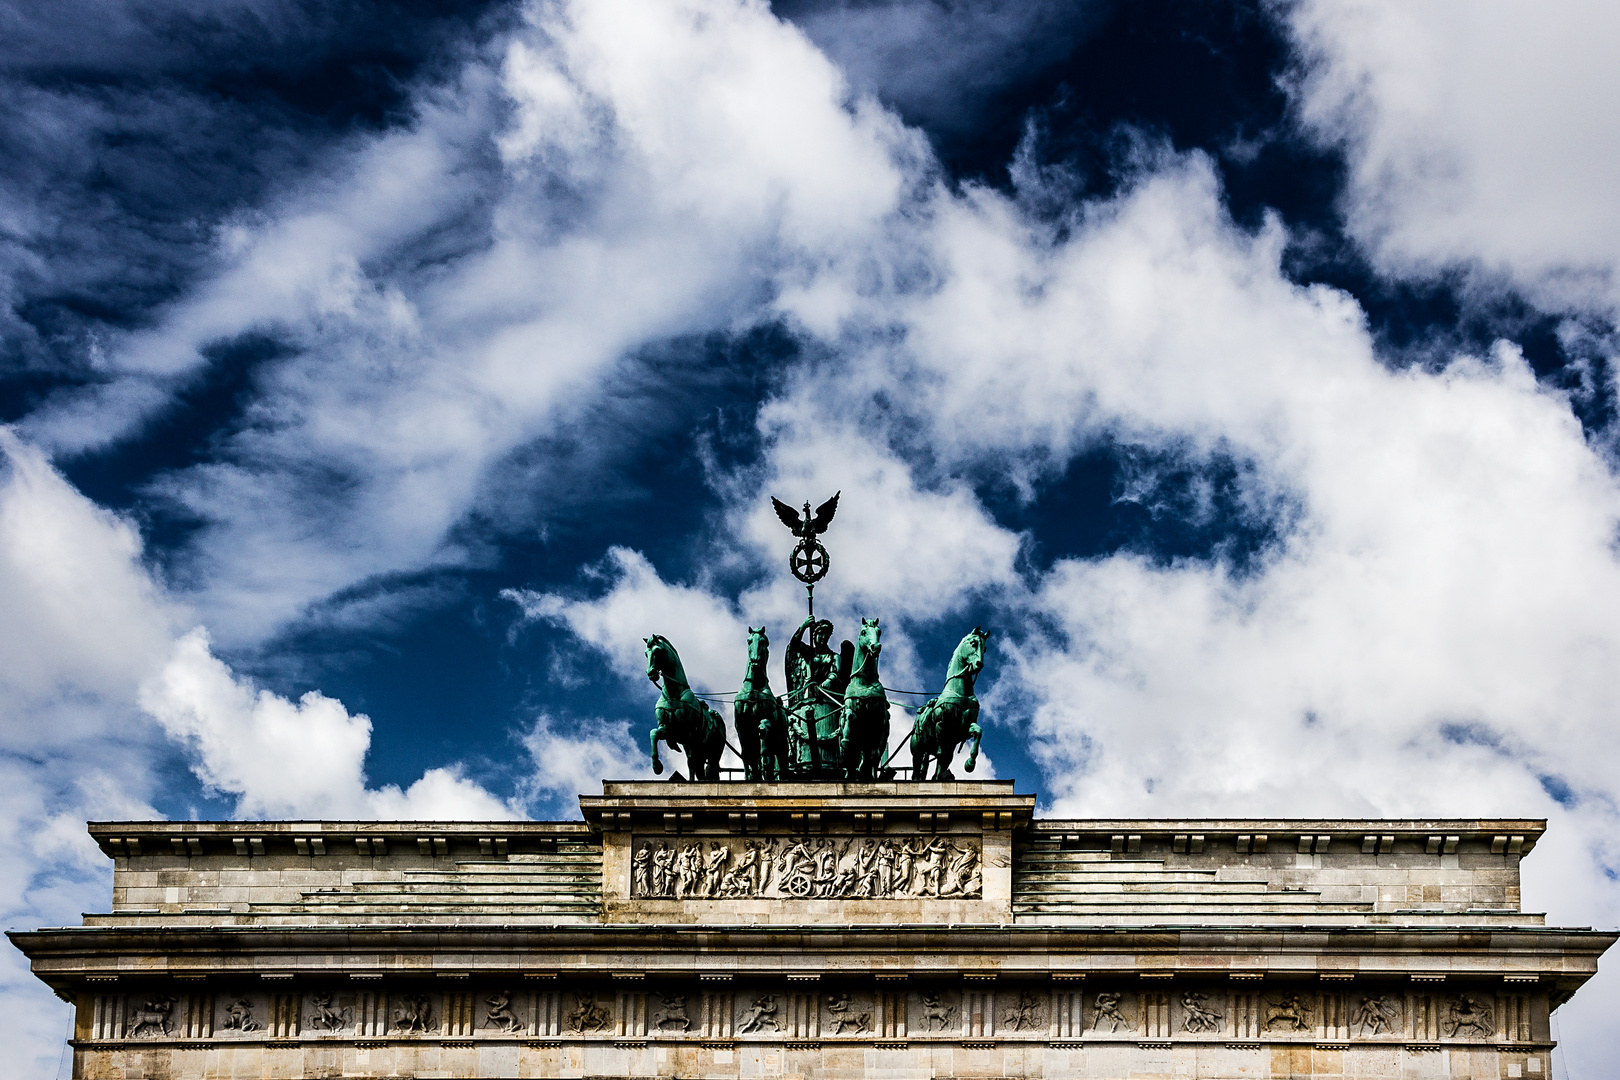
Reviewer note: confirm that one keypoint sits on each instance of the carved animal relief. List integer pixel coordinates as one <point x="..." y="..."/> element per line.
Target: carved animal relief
<point x="1287" y="1013"/>
<point x="324" y="1016"/>
<point x="415" y="1014"/>
<point x="588" y="1015"/>
<point x="151" y="1017"/>
<point x="1468" y="1017"/>
<point x="849" y="868"/>
<point x="500" y="1015"/>
<point x="1197" y="1016"/>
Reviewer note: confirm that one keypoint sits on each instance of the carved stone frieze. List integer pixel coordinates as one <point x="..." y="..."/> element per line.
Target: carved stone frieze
<point x="239" y="1016"/>
<point x="1288" y="1012"/>
<point x="150" y="1017"/>
<point x="1468" y="1016"/>
<point x="325" y="1015"/>
<point x="588" y="1016"/>
<point x="1110" y="1011"/>
<point x="1198" y="1014"/>
<point x="796" y="867"/>
<point x="1378" y="1015"/>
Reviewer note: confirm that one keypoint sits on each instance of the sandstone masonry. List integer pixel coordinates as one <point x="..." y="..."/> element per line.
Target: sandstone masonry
<point x="888" y="930"/>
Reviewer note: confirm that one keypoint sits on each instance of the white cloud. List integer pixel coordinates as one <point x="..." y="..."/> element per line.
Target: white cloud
<point x="456" y="290"/>
<point x="1478" y="134"/>
<point x="81" y="621"/>
<point x="282" y="759"/>
<point x="573" y="757"/>
<point x="85" y="627"/>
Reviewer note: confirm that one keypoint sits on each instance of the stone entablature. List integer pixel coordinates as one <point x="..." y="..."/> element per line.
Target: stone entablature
<point x="925" y="929"/>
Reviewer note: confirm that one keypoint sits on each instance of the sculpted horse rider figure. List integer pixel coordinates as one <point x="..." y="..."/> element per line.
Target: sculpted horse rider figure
<point x="761" y="720"/>
<point x="684" y="722"/>
<point x="863" y="733"/>
<point x="945" y="722"/>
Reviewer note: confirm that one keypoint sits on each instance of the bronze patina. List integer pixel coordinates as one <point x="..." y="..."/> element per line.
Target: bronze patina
<point x="833" y="723"/>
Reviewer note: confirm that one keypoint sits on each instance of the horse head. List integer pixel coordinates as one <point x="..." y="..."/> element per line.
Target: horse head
<point x="759" y="646"/>
<point x="869" y="642"/>
<point x="659" y="651"/>
<point x="969" y="656"/>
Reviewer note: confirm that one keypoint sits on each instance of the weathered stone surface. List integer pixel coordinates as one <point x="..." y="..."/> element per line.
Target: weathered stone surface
<point x="1205" y="948"/>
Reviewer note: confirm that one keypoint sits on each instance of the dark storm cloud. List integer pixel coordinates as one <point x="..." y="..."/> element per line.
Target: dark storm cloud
<point x="131" y="131"/>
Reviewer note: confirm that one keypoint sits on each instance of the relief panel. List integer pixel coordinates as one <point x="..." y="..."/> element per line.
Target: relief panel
<point x="850" y="867"/>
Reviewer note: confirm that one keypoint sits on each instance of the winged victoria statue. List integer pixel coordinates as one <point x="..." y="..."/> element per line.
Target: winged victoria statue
<point x="833" y="723"/>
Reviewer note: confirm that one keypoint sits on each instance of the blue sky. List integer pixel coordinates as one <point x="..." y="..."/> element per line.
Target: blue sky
<point x="375" y="376"/>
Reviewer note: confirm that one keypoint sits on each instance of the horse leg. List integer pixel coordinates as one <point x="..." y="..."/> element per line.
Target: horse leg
<point x="919" y="741"/>
<point x="748" y="725"/>
<point x="846" y="763"/>
<point x="653" y="737"/>
<point x="773" y="755"/>
<point x="714" y="747"/>
<point x="975" y="733"/>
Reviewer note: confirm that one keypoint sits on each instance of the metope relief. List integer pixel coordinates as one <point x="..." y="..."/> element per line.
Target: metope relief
<point x="1197" y="1016"/>
<point x="1378" y="1015"/>
<point x="1029" y="1014"/>
<point x="845" y="1018"/>
<point x="847" y="868"/>
<point x="1286" y="1013"/>
<point x="1110" y="1010"/>
<point x="1468" y="1017"/>
<point x="498" y="1012"/>
<point x="761" y="1016"/>
<point x="588" y="1015"/>
<point x="151" y="1017"/>
<point x="325" y="1015"/>
<point x="672" y="1016"/>
<point x="239" y="1016"/>
<point x="936" y="1015"/>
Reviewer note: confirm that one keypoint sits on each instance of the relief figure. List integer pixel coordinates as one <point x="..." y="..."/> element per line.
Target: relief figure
<point x="1026" y="1015"/>
<point x="151" y="1014"/>
<point x="936" y="1015"/>
<point x="326" y="1017"/>
<point x="844" y="1017"/>
<point x="641" y="872"/>
<point x="500" y="1013"/>
<point x="239" y="1016"/>
<point x="1287" y="1010"/>
<point x="1196" y="1016"/>
<point x="1108" y="1009"/>
<point x="1466" y="1013"/>
<point x="1378" y="1015"/>
<point x="673" y="1013"/>
<point x="760" y="1014"/>
<point x="415" y="1014"/>
<point x="587" y="1014"/>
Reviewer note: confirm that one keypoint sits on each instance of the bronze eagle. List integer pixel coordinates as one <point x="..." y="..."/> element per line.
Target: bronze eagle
<point x="805" y="526"/>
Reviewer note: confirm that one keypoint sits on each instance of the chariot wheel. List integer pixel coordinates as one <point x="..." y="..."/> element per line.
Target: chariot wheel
<point x="799" y="885"/>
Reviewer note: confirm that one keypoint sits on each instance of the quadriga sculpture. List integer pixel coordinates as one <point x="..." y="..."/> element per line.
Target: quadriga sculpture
<point x="945" y="722"/>
<point x="761" y="720"/>
<point x="684" y="722"/>
<point x="863" y="733"/>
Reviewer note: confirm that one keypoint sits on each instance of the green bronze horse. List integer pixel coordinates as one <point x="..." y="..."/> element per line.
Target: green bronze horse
<point x="863" y="733"/>
<point x="945" y="722"/>
<point x="761" y="720"/>
<point x="684" y="722"/>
